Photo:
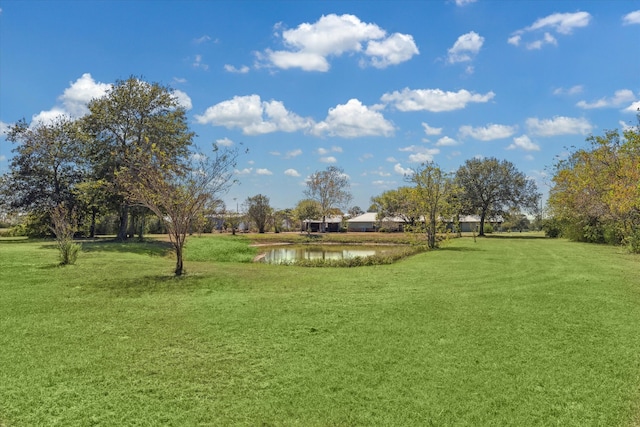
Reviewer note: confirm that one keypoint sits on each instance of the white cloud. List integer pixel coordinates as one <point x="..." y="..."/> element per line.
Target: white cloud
<point x="309" y="46"/>
<point x="524" y="143"/>
<point x="2" y="157"/>
<point x="352" y="120"/>
<point x="4" y="128"/>
<point x="560" y="23"/>
<point x="402" y="171"/>
<point x="293" y="153"/>
<point x="488" y="133"/>
<point x="49" y="116"/>
<point x="559" y="125"/>
<point x="224" y="142"/>
<point x="633" y="108"/>
<point x="446" y="141"/>
<point x="76" y="97"/>
<point x="464" y="2"/>
<point x="631" y="18"/>
<point x="391" y="159"/>
<point x="183" y="99"/>
<point x="202" y="39"/>
<point x="253" y="116"/>
<point x="292" y="172"/>
<point x="231" y="69"/>
<point x="619" y="98"/>
<point x="328" y="159"/>
<point x="263" y="172"/>
<point x="428" y="130"/>
<point x="393" y="50"/>
<point x="466" y="47"/>
<point x="180" y="80"/>
<point x="245" y="171"/>
<point x="197" y="63"/>
<point x="420" y="154"/>
<point x="573" y="90"/>
<point x="434" y="100"/>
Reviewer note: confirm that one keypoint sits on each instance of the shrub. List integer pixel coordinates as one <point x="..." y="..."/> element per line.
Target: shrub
<point x="488" y="228"/>
<point x="64" y="227"/>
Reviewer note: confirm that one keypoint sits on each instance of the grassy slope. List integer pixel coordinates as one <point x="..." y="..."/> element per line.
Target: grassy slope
<point x="498" y="332"/>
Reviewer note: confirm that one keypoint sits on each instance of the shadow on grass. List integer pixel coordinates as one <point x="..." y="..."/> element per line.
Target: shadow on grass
<point x="151" y="284"/>
<point x="147" y="247"/>
<point x="515" y="236"/>
<point x="459" y="249"/>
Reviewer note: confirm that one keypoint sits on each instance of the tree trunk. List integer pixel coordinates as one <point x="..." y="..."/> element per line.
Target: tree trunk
<point x="482" y="217"/>
<point x="179" y="263"/>
<point x="92" y="228"/>
<point x="124" y="222"/>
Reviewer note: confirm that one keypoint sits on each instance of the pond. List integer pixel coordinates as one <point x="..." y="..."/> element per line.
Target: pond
<point x="289" y="254"/>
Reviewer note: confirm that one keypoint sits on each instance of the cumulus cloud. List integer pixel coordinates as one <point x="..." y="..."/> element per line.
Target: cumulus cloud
<point x="633" y="108"/>
<point x="631" y="18"/>
<point x="393" y="50"/>
<point x="224" y="142"/>
<point x="488" y="133"/>
<point x="620" y="97"/>
<point x="309" y="45"/>
<point x="402" y="171"/>
<point x="434" y="100"/>
<point x="4" y="128"/>
<point x="76" y="97"/>
<point x="524" y="143"/>
<point x="253" y="116"/>
<point x="183" y="99"/>
<point x="328" y="159"/>
<point x="231" y="69"/>
<point x="245" y="171"/>
<point x="559" y="23"/>
<point x="420" y="154"/>
<point x="464" y="2"/>
<point x="352" y="120"/>
<point x="559" y="125"/>
<point x="446" y="141"/>
<point x="428" y="130"/>
<point x="263" y="172"/>
<point x="465" y="48"/>
<point x="293" y="153"/>
<point x="292" y="172"/>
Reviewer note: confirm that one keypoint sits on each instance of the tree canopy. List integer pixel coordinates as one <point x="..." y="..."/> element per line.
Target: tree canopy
<point x="596" y="191"/>
<point x="491" y="187"/>
<point x="330" y="188"/>
<point x="134" y="116"/>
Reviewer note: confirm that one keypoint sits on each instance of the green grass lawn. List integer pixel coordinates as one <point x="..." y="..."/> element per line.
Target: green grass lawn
<point x="503" y="331"/>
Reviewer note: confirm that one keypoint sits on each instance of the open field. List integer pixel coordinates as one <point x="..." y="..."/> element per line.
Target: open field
<point x="504" y="331"/>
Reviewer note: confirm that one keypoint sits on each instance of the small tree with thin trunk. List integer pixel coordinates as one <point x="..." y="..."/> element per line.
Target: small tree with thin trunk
<point x="330" y="188"/>
<point x="178" y="197"/>
<point x="259" y="211"/>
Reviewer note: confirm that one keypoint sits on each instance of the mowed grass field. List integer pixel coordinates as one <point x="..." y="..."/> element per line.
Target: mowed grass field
<point x="502" y="332"/>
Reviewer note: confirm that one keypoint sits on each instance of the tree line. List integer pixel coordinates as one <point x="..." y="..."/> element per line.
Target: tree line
<point x="595" y="195"/>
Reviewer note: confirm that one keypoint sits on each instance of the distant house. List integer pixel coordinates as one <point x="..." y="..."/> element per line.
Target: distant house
<point x="369" y="222"/>
<point x="332" y="224"/>
<point x="472" y="222"/>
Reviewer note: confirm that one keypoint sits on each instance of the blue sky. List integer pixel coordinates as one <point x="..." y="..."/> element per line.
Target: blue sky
<point x="373" y="87"/>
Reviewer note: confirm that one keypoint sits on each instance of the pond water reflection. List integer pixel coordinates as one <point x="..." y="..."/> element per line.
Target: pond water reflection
<point x="283" y="255"/>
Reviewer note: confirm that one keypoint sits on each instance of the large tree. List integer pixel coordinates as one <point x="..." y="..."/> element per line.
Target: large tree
<point x="45" y="169"/>
<point x="134" y="116"/>
<point x="490" y="187"/>
<point x="259" y="211"/>
<point x="177" y="196"/>
<point x="434" y="197"/>
<point x="330" y="188"/>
